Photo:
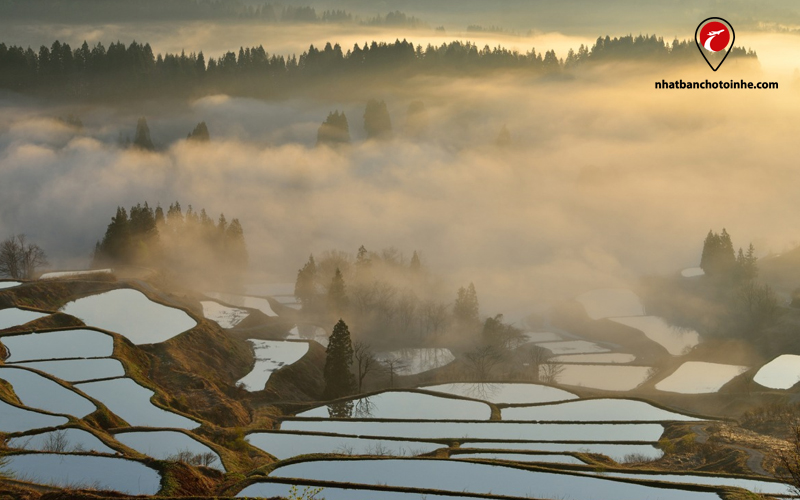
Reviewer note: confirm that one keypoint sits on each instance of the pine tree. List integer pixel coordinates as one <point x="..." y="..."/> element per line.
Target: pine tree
<point x="200" y="133"/>
<point x="710" y="246"/>
<point x="466" y="309"/>
<point x="235" y="249"/>
<point x="305" y="289"/>
<point x="377" y="122"/>
<point x="142" y="138"/>
<point x="334" y="130"/>
<point x="416" y="265"/>
<point x="337" y="297"/>
<point x="503" y="138"/>
<point x="339" y="380"/>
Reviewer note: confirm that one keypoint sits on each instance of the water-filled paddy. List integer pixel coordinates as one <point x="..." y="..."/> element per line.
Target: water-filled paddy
<point x="461" y="476"/>
<point x="522" y="457"/>
<point x="504" y="393"/>
<point x="483" y="430"/>
<point x="698" y="377"/>
<point x="284" y="490"/>
<point x="611" y="358"/>
<point x="414" y="361"/>
<point x="692" y="272"/>
<point x="542" y="337"/>
<point x="611" y="302"/>
<point x="36" y="391"/>
<point x="131" y="314"/>
<point x="79" y="370"/>
<point x="244" y="301"/>
<point x="675" y="340"/>
<point x="594" y="410"/>
<point x="284" y="445"/>
<point x="72" y="274"/>
<point x="13" y="419"/>
<point x="409" y="405"/>
<point x="9" y="284"/>
<point x="309" y="332"/>
<point x="764" y="487"/>
<point x="79" y="471"/>
<point x="616" y="452"/>
<point x="165" y="445"/>
<point x="572" y="347"/>
<point x="62" y="440"/>
<point x="131" y="402"/>
<point x="226" y="317"/>
<point x="58" y="345"/>
<point x="271" y="355"/>
<point x="15" y="317"/>
<point x="605" y="377"/>
<point x="782" y="372"/>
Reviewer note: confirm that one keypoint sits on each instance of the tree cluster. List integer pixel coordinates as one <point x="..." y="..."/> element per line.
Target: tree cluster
<point x="334" y="130"/>
<point x="719" y="259"/>
<point x="187" y="10"/>
<point x="99" y="71"/>
<point x="190" y="245"/>
<point x="390" y="300"/>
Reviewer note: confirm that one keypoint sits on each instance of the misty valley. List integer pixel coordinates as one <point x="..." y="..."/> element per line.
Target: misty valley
<point x="397" y="250"/>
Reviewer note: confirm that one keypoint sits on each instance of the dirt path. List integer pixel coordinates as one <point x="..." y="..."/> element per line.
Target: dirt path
<point x="755" y="458"/>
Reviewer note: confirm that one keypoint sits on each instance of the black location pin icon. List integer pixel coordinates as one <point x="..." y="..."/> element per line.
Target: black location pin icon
<point x="714" y="38"/>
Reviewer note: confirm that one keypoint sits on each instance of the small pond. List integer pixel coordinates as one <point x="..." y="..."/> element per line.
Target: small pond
<point x="79" y="370"/>
<point x="765" y="487"/>
<point x="166" y="445"/>
<point x="572" y="347"/>
<point x="41" y="393"/>
<point x="692" y="272"/>
<point x="283" y="445"/>
<point x="699" y="377"/>
<point x="16" y="317"/>
<point x="224" y="316"/>
<point x="309" y="332"/>
<point x="521" y="457"/>
<point x="271" y="356"/>
<point x="782" y="372"/>
<point x="58" y="345"/>
<point x="131" y="402"/>
<point x="483" y="430"/>
<point x="617" y="452"/>
<point x="62" y="440"/>
<point x="244" y="301"/>
<point x="131" y="314"/>
<point x="13" y="419"/>
<point x="605" y="377"/>
<point x="405" y="405"/>
<point x="284" y="490"/>
<point x="504" y="393"/>
<point x="414" y="361"/>
<point x="9" y="284"/>
<point x="676" y="341"/>
<point x="595" y="410"/>
<point x="80" y="471"/>
<point x="611" y="302"/>
<point x="461" y="476"/>
<point x="611" y="358"/>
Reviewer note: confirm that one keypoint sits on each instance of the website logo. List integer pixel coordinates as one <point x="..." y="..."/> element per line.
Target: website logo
<point x="714" y="38"/>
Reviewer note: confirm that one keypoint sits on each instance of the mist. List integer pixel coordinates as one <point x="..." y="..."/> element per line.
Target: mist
<point x="606" y="178"/>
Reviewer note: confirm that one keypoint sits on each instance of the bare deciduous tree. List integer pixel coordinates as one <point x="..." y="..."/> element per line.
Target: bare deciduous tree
<point x="534" y="357"/>
<point x="393" y="365"/>
<point x="365" y="361"/>
<point x="550" y="371"/>
<point x="482" y="360"/>
<point x="19" y="259"/>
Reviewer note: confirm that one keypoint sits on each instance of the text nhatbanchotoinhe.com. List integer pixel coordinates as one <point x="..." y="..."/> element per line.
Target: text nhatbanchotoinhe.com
<point x="730" y="84"/>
